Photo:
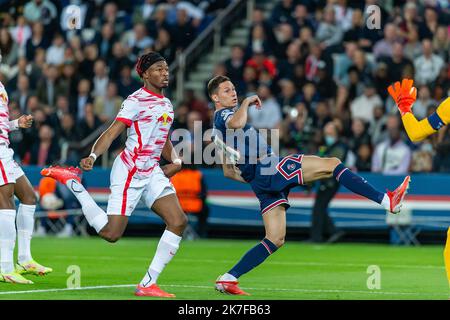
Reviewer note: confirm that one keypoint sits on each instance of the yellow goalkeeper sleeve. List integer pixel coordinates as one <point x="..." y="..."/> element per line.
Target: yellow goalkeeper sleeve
<point x="447" y="256"/>
<point x="419" y="130"/>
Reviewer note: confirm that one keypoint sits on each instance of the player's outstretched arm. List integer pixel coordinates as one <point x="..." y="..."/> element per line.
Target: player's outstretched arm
<point x="404" y="94"/>
<point x="230" y="170"/>
<point x="239" y="119"/>
<point x="103" y="143"/>
<point x="23" y="122"/>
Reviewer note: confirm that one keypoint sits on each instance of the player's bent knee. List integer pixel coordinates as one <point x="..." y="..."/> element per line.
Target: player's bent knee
<point x="332" y="163"/>
<point x="111" y="236"/>
<point x="179" y="223"/>
<point x="29" y="199"/>
<point x="277" y="241"/>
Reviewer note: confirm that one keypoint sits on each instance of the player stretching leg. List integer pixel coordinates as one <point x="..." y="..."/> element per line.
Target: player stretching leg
<point x="404" y="94"/>
<point x="13" y="181"/>
<point x="136" y="173"/>
<point x="272" y="189"/>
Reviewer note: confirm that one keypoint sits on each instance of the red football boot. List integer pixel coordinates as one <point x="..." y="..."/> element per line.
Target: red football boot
<point x="152" y="291"/>
<point x="396" y="197"/>
<point x="62" y="174"/>
<point x="230" y="287"/>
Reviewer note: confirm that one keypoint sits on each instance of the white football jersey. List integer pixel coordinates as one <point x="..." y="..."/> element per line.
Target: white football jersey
<point x="4" y="116"/>
<point x="149" y="117"/>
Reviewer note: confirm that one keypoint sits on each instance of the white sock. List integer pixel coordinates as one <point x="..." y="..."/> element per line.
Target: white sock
<point x="386" y="203"/>
<point x="25" y="226"/>
<point x="7" y="240"/>
<point x="96" y="217"/>
<point x="167" y="248"/>
<point x="228" y="277"/>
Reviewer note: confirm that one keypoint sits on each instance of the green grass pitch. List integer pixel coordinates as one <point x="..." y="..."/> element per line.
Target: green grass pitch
<point x="297" y="271"/>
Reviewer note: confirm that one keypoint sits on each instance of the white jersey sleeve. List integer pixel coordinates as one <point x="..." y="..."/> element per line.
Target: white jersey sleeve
<point x="128" y="112"/>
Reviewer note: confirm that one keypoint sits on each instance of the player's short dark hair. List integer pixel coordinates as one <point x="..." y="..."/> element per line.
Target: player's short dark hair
<point x="214" y="83"/>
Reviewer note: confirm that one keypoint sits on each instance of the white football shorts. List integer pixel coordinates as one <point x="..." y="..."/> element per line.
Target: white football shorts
<point x="128" y="187"/>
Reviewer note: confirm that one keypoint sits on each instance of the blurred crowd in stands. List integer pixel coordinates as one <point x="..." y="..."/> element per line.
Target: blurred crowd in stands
<point x="74" y="80"/>
<point x="311" y="61"/>
<point x="314" y="62"/>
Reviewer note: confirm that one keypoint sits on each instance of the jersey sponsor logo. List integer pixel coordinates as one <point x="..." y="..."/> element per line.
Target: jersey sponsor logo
<point x="165" y="119"/>
<point x="3" y="97"/>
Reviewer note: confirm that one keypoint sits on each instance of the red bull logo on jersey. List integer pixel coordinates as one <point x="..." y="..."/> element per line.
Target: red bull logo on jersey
<point x="165" y="119"/>
<point x="3" y="97"/>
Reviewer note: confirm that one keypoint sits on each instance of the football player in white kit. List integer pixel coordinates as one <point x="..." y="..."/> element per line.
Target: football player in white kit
<point x="136" y="174"/>
<point x="13" y="181"/>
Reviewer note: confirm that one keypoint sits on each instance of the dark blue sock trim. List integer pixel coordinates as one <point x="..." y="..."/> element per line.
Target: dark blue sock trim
<point x="339" y="168"/>
<point x="270" y="244"/>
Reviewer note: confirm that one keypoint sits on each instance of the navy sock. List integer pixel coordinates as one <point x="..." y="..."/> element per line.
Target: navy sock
<point x="356" y="183"/>
<point x="254" y="257"/>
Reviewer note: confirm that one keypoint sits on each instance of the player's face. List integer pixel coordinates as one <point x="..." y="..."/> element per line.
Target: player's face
<point x="158" y="74"/>
<point x="226" y="94"/>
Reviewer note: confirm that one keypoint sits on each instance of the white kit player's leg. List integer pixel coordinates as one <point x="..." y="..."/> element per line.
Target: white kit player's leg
<point x="167" y="248"/>
<point x="7" y="240"/>
<point x="95" y="215"/>
<point x="25" y="225"/>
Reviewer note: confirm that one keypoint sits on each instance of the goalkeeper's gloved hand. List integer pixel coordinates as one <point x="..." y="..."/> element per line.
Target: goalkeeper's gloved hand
<point x="404" y="95"/>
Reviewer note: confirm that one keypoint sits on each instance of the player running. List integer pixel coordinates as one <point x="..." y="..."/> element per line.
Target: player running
<point x="272" y="189"/>
<point x="136" y="173"/>
<point x="404" y="95"/>
<point x="14" y="182"/>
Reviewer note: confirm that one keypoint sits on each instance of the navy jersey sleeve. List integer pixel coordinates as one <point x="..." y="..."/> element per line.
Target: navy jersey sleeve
<point x="222" y="117"/>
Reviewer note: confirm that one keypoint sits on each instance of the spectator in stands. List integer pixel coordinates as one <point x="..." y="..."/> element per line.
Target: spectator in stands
<point x="326" y="86"/>
<point x="392" y="156"/>
<point x="137" y="40"/>
<point x="284" y="34"/>
<point x="86" y="65"/>
<point x="356" y="31"/>
<point x="37" y="40"/>
<point x="364" y="158"/>
<point x="270" y="115"/>
<point x="183" y="32"/>
<point x="428" y="65"/>
<point x="78" y="101"/>
<point x="196" y="104"/>
<point x="163" y="45"/>
<point x="22" y="94"/>
<point x="105" y="41"/>
<point x="329" y="33"/>
<point x="413" y="47"/>
<point x="49" y="87"/>
<point x="343" y="61"/>
<point x="235" y="67"/>
<point x="69" y="79"/>
<point x="282" y="12"/>
<point x="118" y="61"/>
<point x="40" y="10"/>
<point x="377" y="125"/>
<point x="321" y="223"/>
<point x="260" y="63"/>
<point x="100" y="80"/>
<point x="381" y="79"/>
<point x="288" y="96"/>
<point x="90" y="122"/>
<point x="286" y="67"/>
<point x="423" y="102"/>
<point x="106" y="107"/>
<point x="20" y="33"/>
<point x="441" y="42"/>
<point x="45" y="151"/>
<point x="55" y="53"/>
<point x="8" y="48"/>
<point x="297" y="130"/>
<point x="110" y="15"/>
<point x="258" y="41"/>
<point x="397" y="63"/>
<point x="359" y="135"/>
<point x="362" y="107"/>
<point x="126" y="82"/>
<point x="383" y="48"/>
<point x="302" y="19"/>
